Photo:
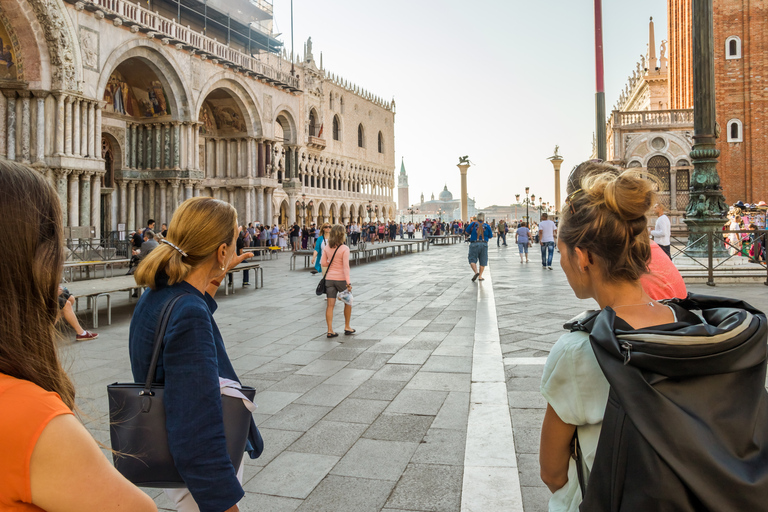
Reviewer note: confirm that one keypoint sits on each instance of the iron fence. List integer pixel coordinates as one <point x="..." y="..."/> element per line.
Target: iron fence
<point x="97" y="249"/>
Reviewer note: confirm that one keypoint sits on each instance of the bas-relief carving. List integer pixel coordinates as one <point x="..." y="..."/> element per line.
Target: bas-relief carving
<point x="60" y="43"/>
<point x="89" y="46"/>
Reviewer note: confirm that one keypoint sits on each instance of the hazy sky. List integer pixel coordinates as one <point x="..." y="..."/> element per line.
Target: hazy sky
<point x="501" y="81"/>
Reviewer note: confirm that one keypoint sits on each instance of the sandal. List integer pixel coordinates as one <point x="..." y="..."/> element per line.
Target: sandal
<point x="475" y="277"/>
<point x="331" y="334"/>
<point x="347" y="333"/>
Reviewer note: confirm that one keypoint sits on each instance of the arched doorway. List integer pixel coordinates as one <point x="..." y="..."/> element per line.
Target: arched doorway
<point x="343" y="214"/>
<point x="658" y="169"/>
<point x="283" y="217"/>
<point x="107" y="187"/>
<point x="321" y="215"/>
<point x="333" y="219"/>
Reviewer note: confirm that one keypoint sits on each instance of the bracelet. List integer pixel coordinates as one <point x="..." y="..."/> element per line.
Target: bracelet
<point x="215" y="282"/>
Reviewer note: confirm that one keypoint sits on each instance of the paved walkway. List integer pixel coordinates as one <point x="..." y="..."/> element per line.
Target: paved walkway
<point x="411" y="413"/>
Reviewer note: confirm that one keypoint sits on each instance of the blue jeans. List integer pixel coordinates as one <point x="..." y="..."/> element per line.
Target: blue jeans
<point x="547" y="251"/>
<point x="479" y="251"/>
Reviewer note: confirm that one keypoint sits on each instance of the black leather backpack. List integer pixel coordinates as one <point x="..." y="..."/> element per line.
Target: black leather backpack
<point x="686" y="423"/>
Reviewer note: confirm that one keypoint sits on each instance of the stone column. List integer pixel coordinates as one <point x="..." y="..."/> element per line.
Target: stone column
<point x="134" y="156"/>
<point x="197" y="190"/>
<point x="673" y="188"/>
<point x="40" y="128"/>
<point x="96" y="204"/>
<point x="228" y="160"/>
<point x="86" y="131"/>
<point x="26" y="127"/>
<point x="176" y="146"/>
<point x="92" y="131"/>
<point x="188" y="192"/>
<point x="239" y="158"/>
<point x="148" y="146"/>
<point x="122" y="212"/>
<point x="74" y="198"/>
<point x="68" y="125"/>
<point x="141" y="217"/>
<point x="166" y="163"/>
<point x="196" y="145"/>
<point x="131" y="206"/>
<point x="268" y="159"/>
<point x="260" y="172"/>
<point x="61" y="189"/>
<point x="248" y="206"/>
<point x="128" y="153"/>
<point x="231" y="195"/>
<point x="157" y="134"/>
<point x="210" y="159"/>
<point x="291" y="209"/>
<point x="97" y="132"/>
<point x="249" y="157"/>
<point x="163" y="203"/>
<point x="174" y="197"/>
<point x="260" y="205"/>
<point x="463" y="169"/>
<point x="60" y="98"/>
<point x="151" y="206"/>
<point x="141" y="138"/>
<point x="77" y="128"/>
<point x="10" y="131"/>
<point x="85" y="199"/>
<point x="268" y="205"/>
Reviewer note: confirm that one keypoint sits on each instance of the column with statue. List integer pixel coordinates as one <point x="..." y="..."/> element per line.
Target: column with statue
<point x="463" y="166"/>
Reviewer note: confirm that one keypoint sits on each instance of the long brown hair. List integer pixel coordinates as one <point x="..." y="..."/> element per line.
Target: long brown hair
<point x="199" y="227"/>
<point x="607" y="218"/>
<point x="31" y="264"/>
<point x="337" y="236"/>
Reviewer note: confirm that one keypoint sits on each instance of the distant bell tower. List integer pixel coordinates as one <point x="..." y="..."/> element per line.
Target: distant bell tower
<point x="402" y="188"/>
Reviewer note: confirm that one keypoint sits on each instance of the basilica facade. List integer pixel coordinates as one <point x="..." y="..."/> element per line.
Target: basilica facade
<point x="129" y="110"/>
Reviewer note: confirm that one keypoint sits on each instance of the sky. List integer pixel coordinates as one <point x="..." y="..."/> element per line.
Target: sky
<point x="502" y="81"/>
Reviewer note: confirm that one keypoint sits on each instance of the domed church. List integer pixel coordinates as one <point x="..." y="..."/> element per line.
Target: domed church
<point x="445" y="206"/>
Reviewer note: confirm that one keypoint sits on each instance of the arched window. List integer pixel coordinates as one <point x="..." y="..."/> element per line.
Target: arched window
<point x="341" y="104"/>
<point x="658" y="166"/>
<point x="381" y="143"/>
<point x="360" y="136"/>
<point x="735" y="132"/>
<point x="336" y="128"/>
<point x="330" y="104"/>
<point x="313" y="127"/>
<point x="733" y="48"/>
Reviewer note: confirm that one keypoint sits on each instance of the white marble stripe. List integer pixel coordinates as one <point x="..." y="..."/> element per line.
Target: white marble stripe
<point x="510" y="361"/>
<point x="491" y="480"/>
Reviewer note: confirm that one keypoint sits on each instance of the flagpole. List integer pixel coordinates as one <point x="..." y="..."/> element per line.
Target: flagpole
<point x="292" y="58"/>
<point x="600" y="83"/>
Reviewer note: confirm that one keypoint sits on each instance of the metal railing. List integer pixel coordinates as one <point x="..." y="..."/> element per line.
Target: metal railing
<point x="158" y="25"/>
<point x="97" y="249"/>
<point x="753" y="250"/>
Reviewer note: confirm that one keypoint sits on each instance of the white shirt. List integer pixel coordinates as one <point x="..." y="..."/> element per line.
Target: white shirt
<point x="547" y="231"/>
<point x="663" y="230"/>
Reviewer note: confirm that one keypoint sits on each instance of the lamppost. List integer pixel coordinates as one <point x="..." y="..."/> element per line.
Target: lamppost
<point x="411" y="210"/>
<point x="541" y="201"/>
<point x="304" y="205"/>
<point x="440" y="214"/>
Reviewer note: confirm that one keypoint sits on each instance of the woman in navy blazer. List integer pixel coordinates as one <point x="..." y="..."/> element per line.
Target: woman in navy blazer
<point x="192" y="261"/>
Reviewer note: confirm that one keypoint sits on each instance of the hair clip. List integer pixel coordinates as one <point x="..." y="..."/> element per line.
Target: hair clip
<point x="166" y="241"/>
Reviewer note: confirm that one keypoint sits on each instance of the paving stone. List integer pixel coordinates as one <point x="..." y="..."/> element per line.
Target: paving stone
<point x="346" y="494"/>
<point x="357" y="410"/>
<point x="524" y="384"/>
<point x="418" y="401"/>
<point x="297" y="383"/>
<point x="439" y="327"/>
<point x="448" y="364"/>
<point x="526" y="400"/>
<point x="401" y="372"/>
<point x="454" y="413"/>
<point x="275" y="441"/>
<point x="343" y="354"/>
<point x="442" y="446"/>
<point x="350" y="377"/>
<point x="535" y="499"/>
<point x="428" y="487"/>
<point x="440" y="381"/>
<point x="329" y="438"/>
<point x="302" y="357"/>
<point x="406" y="356"/>
<point x="270" y="402"/>
<point x="326" y="395"/>
<point x="391" y="458"/>
<point x="370" y="360"/>
<point x="255" y="502"/>
<point x="296" y="417"/>
<point x="323" y="368"/>
<point x="529" y="469"/>
<point x="292" y="474"/>
<point x="527" y="440"/>
<point x="399" y="427"/>
<point x="376" y="389"/>
<point x="527" y="418"/>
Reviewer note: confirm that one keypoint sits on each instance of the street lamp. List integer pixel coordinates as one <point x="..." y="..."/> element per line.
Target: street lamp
<point x="411" y="210"/>
<point x="304" y="205"/>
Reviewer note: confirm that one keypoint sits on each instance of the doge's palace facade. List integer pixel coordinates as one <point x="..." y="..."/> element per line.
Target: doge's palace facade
<point x="128" y="112"/>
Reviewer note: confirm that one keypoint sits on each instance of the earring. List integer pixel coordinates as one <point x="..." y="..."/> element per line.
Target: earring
<point x="223" y="268"/>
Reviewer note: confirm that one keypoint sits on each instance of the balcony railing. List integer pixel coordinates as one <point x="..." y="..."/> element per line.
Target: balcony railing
<point x="171" y="32"/>
<point x="653" y="118"/>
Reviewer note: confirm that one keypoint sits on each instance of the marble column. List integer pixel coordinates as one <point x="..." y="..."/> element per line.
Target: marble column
<point x="91" y="115"/>
<point x="60" y="99"/>
<point x="85" y="199"/>
<point x="174" y="197"/>
<point x="197" y="190"/>
<point x="141" y="138"/>
<point x="122" y="212"/>
<point x="85" y="129"/>
<point x="250" y="157"/>
<point x="248" y="217"/>
<point x="210" y="158"/>
<point x="141" y="217"/>
<point x="97" y="132"/>
<point x="157" y="134"/>
<point x="68" y="125"/>
<point x="10" y="130"/>
<point x="128" y="153"/>
<point x="268" y="159"/>
<point x="40" y="128"/>
<point x="196" y="145"/>
<point x="261" y="160"/>
<point x="77" y="128"/>
<point x="26" y="127"/>
<point x="268" y="205"/>
<point x="134" y="156"/>
<point x="188" y="193"/>
<point x="166" y="163"/>
<point x="148" y="146"/>
<point x="260" y="215"/>
<point x="61" y="190"/>
<point x="164" y="219"/>
<point x="238" y="163"/>
<point x="151" y="213"/>
<point x="74" y="199"/>
<point x="229" y="171"/>
<point x="131" y="206"/>
<point x="96" y="205"/>
<point x="176" y="146"/>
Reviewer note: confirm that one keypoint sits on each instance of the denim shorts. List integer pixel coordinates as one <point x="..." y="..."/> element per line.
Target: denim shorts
<point x="479" y="251"/>
<point x="523" y="247"/>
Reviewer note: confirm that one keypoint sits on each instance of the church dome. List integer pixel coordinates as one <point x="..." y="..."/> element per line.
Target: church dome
<point x="445" y="195"/>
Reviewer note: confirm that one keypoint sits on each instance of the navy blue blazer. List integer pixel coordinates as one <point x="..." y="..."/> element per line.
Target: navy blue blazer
<point x="192" y="360"/>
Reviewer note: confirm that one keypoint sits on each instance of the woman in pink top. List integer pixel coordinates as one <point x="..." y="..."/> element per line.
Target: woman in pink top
<point x="337" y="277"/>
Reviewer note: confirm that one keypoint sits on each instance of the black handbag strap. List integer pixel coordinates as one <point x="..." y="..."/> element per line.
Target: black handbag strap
<point x="162" y="325"/>
<point x="579" y="458"/>
<point x="331" y="262"/>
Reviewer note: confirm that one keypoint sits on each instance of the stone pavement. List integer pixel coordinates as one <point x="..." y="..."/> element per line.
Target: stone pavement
<point x="409" y="414"/>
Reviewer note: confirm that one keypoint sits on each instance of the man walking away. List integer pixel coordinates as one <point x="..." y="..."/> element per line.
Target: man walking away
<point x="502" y="230"/>
<point x="295" y="230"/>
<point x="547" y="234"/>
<point x="663" y="231"/>
<point x="479" y="234"/>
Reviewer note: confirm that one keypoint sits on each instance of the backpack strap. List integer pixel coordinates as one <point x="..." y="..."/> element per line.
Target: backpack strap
<point x="584" y="321"/>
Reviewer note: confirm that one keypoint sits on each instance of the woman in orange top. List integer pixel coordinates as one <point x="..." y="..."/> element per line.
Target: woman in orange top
<point x="48" y="461"/>
<point x="337" y="277"/>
